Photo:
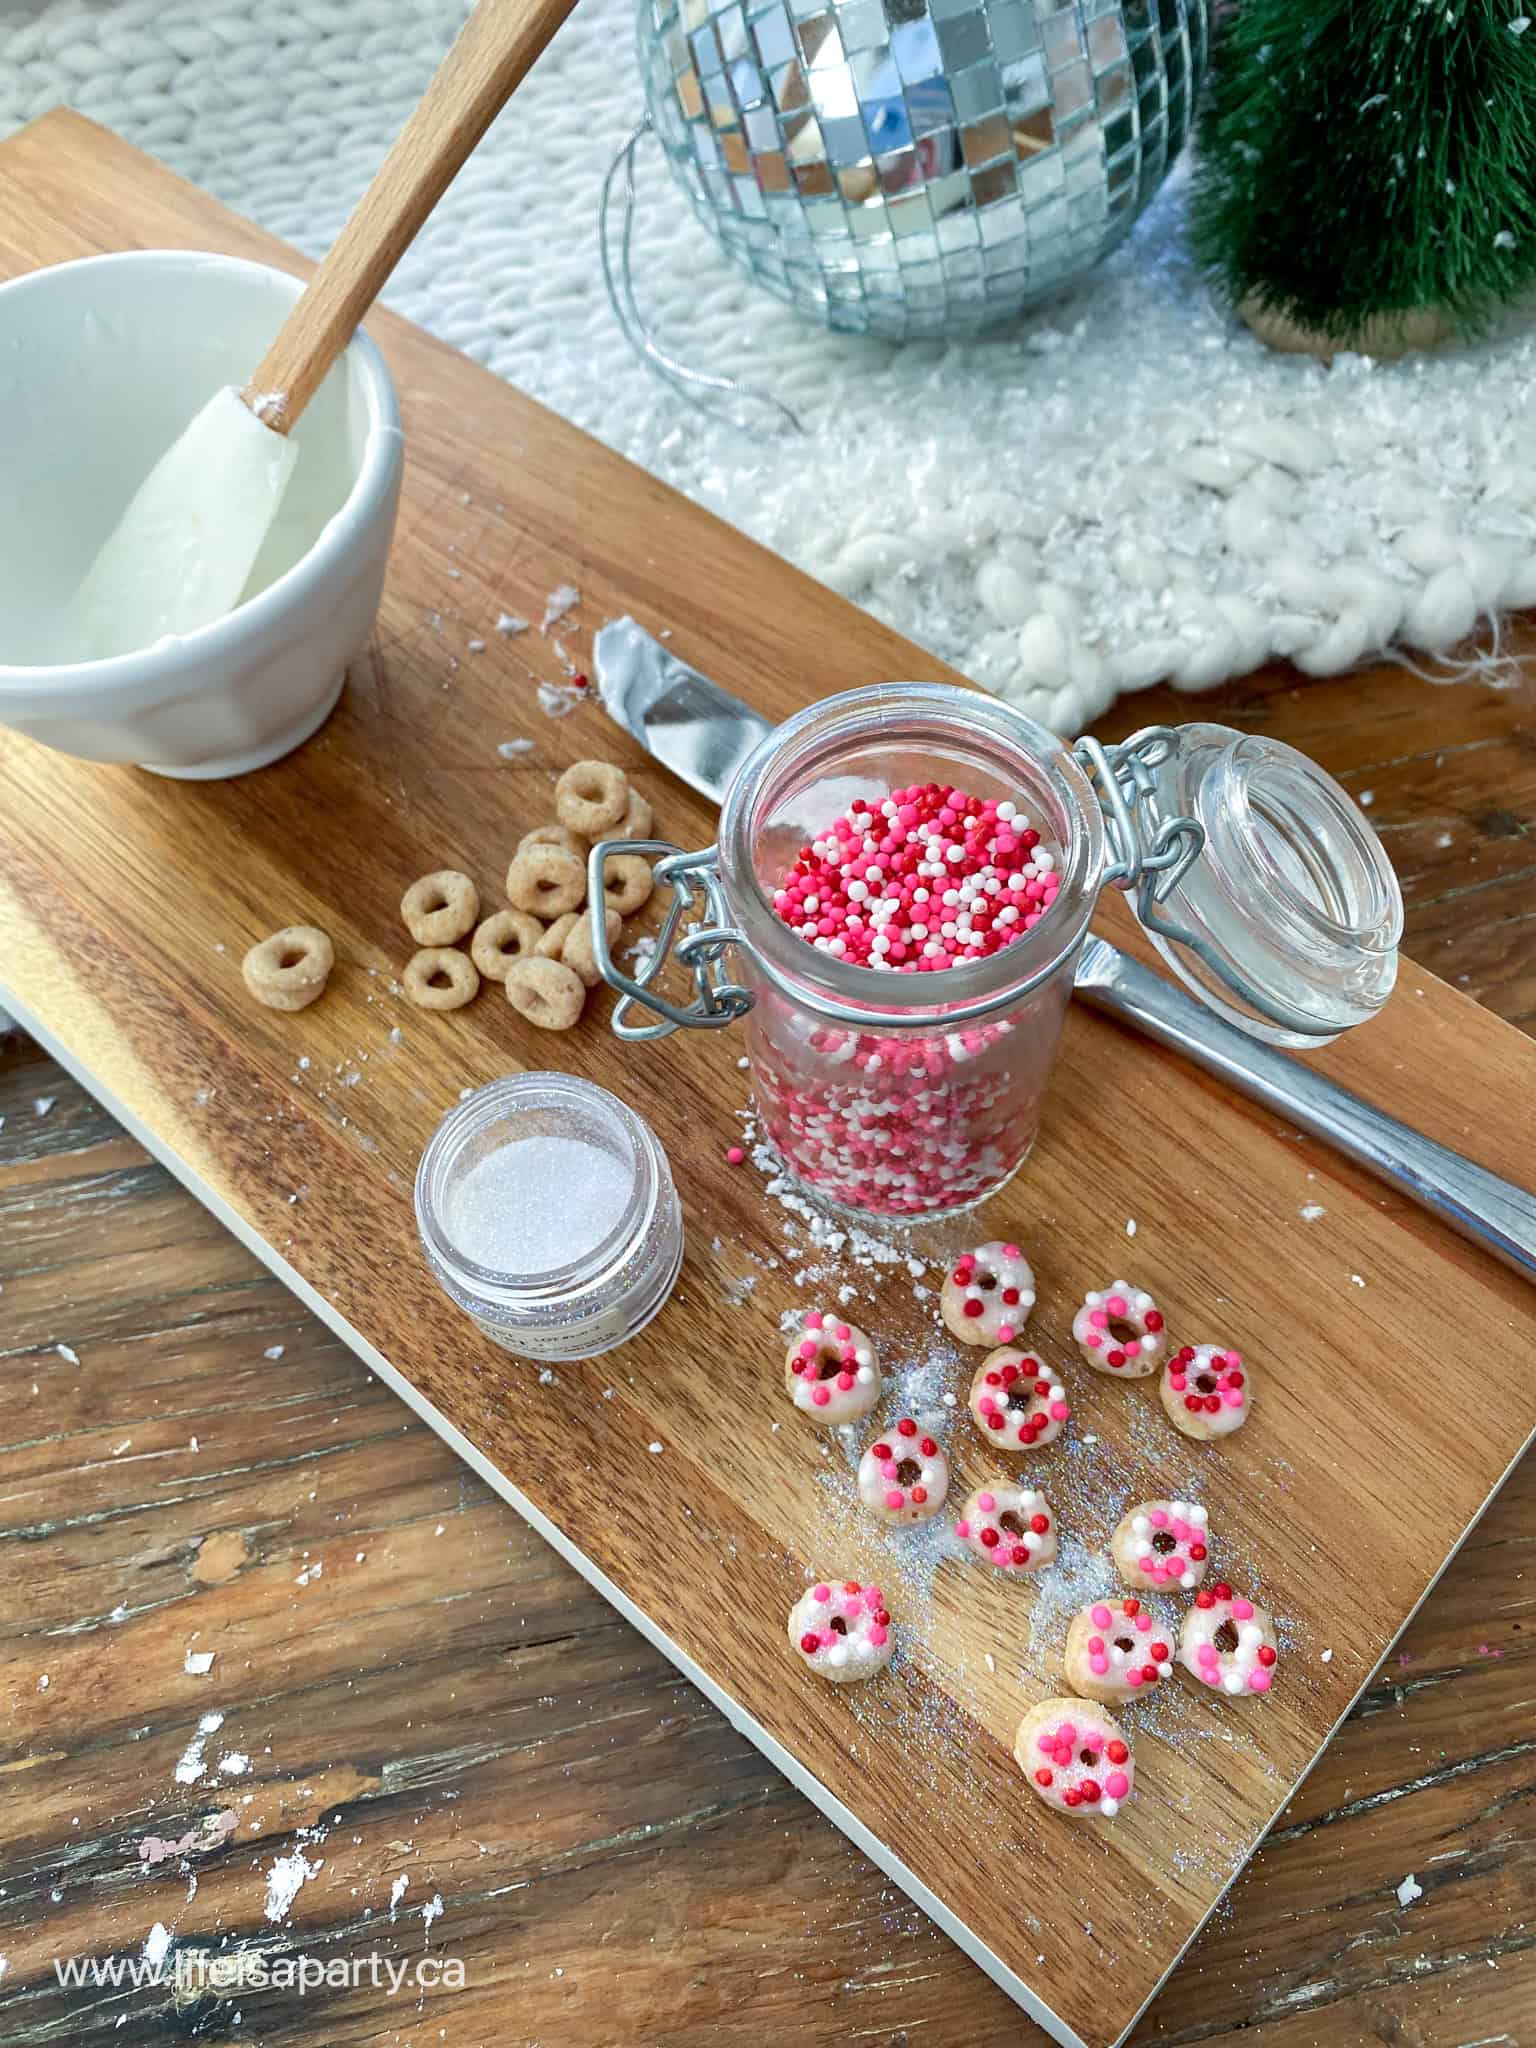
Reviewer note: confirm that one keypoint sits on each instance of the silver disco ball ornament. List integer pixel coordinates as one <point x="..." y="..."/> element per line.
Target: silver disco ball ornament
<point x="920" y="168"/>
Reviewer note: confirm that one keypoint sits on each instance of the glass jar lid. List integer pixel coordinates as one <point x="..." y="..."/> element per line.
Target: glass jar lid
<point x="1287" y="921"/>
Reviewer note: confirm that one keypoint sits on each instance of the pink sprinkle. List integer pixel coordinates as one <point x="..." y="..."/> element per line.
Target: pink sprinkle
<point x="1133" y="1677"/>
<point x="962" y="1530"/>
<point x="1117" y="1784"/>
<point x="1011" y="1251"/>
<point x="1258" y="1681"/>
<point x="809" y="1349"/>
<point x="821" y="1592"/>
<point x="878" y="1636"/>
<point x="1233" y="1396"/>
<point x="1046" y="1744"/>
<point x="1100" y="1617"/>
<point x="735" y="1155"/>
<point x="1005" y="1332"/>
<point x="986" y="1502"/>
<point x="845" y="1382"/>
<point x="814" y="1319"/>
<point x="1116" y="1304"/>
<point x="1242" y="1610"/>
<point x="1158" y="1518"/>
<point x="1098" y="1666"/>
<point x="821" y="1396"/>
<point x="1059" y="1411"/>
<point x="895" y="1498"/>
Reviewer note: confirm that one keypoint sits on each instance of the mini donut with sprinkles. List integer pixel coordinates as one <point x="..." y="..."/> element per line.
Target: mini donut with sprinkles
<point x="1205" y="1392"/>
<point x="1076" y="1757"/>
<point x="1161" y="1545"/>
<point x="904" y="1475"/>
<point x="1017" y="1401"/>
<point x="843" y="1633"/>
<point x="1228" y="1642"/>
<point x="1119" y="1330"/>
<point x="1009" y="1527"/>
<point x="1115" y="1650"/>
<point x="988" y="1294"/>
<point x="830" y="1371"/>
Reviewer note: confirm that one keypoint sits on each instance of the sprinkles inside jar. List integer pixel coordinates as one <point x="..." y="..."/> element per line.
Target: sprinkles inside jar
<point x="921" y="880"/>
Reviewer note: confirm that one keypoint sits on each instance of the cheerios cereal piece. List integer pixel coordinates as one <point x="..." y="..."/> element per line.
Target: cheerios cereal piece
<point x="505" y="936"/>
<point x="591" y="797"/>
<point x="1115" y="1650"/>
<point x="843" y="1632"/>
<point x="547" y="880"/>
<point x="988" y="1294"/>
<point x="627" y="883"/>
<point x="1162" y="1544"/>
<point x="1009" y="1526"/>
<point x="1119" y="1330"/>
<point x="904" y="1475"/>
<point x="577" y="950"/>
<point x="1017" y="1401"/>
<point x="547" y="992"/>
<point x="830" y="1370"/>
<point x="441" y="978"/>
<point x="440" y="908"/>
<point x="289" y="970"/>
<point x="1228" y="1643"/>
<point x="1205" y="1391"/>
<point x="1076" y="1757"/>
<point x="554" y="835"/>
<point x="638" y="821"/>
<point x="556" y="934"/>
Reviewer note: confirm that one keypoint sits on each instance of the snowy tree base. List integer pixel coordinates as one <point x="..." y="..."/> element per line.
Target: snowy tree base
<point x="1388" y="337"/>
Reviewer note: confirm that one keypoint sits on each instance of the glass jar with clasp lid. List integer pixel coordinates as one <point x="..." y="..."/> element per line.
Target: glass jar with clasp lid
<point x="914" y="1095"/>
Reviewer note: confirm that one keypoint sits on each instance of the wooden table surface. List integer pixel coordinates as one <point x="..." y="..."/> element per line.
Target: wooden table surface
<point x="508" y="1777"/>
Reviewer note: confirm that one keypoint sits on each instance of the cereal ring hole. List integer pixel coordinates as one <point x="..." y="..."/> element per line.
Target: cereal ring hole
<point x="907" y="1471"/>
<point x="439" y="978"/>
<point x="1011" y="1523"/>
<point x="1086" y="1756"/>
<point x="1124" y="1643"/>
<point x="1205" y="1382"/>
<point x="984" y="1283"/>
<point x="1019" y="1396"/>
<point x="1225" y="1638"/>
<point x="838" y="1626"/>
<point x="828" y="1364"/>
<point x="1122" y="1331"/>
<point x="291" y="956"/>
<point x="1162" y="1543"/>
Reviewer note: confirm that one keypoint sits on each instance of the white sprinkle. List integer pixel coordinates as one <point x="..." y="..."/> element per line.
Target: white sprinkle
<point x="564" y="598"/>
<point x="158" y="1946"/>
<point x="397" y="1892"/>
<point x="42" y="1104"/>
<point x="197" y="1663"/>
<point x="1367" y="798"/>
<point x="655" y="1449"/>
<point x="510" y="750"/>
<point x="1355" y="1280"/>
<point x="509" y="623"/>
<point x="1130" y="1226"/>
<point x="989" y="1660"/>
<point x="432" y="1910"/>
<point x="236" y="1764"/>
<point x="273" y="1352"/>
<point x="1310" y="1211"/>
<point x="43" y="1682"/>
<point x="69" y="1356"/>
<point x="1327" y="1656"/>
<point x="1409" y="1890"/>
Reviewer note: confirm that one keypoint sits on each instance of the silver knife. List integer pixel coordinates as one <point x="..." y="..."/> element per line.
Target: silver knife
<point x="703" y="734"/>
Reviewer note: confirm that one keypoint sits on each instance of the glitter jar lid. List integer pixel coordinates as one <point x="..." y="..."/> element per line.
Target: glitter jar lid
<point x="548" y="1213"/>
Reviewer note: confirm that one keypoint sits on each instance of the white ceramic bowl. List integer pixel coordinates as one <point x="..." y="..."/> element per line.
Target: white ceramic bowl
<point x="102" y="363"/>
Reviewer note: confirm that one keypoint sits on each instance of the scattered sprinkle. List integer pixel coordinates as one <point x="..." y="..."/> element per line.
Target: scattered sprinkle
<point x="273" y="1353"/>
<point x="1309" y="1212"/>
<point x="1327" y="1656"/>
<point x="197" y="1663"/>
<point x="42" y="1104"/>
<point x="655" y="1449"/>
<point x="1409" y="1890"/>
<point x="512" y="750"/>
<point x="735" y="1155"/>
<point x="562" y="599"/>
<point x="69" y="1355"/>
<point x="285" y="1880"/>
<point x="509" y="623"/>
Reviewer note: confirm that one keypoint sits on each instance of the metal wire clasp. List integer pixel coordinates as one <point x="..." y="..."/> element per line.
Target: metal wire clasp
<point x="701" y="950"/>
<point x="1149" y="853"/>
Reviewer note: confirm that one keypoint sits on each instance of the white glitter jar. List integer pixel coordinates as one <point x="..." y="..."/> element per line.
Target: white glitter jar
<point x="547" y="1213"/>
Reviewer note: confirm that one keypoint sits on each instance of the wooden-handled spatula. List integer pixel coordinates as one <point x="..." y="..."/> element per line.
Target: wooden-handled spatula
<point x="182" y="552"/>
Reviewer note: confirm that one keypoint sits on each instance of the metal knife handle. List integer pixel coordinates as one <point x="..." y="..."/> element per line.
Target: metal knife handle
<point x="1492" y="1212"/>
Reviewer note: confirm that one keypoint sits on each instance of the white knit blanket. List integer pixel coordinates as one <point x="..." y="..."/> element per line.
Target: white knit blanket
<point x="1124" y="487"/>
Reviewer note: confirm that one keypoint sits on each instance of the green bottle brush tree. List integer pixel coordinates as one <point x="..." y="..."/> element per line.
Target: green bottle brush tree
<point x="1367" y="169"/>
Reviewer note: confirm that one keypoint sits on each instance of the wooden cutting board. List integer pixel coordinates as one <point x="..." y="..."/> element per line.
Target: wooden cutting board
<point x="1392" y="1362"/>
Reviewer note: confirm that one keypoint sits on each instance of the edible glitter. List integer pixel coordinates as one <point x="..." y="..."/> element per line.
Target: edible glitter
<point x="537" y="1204"/>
